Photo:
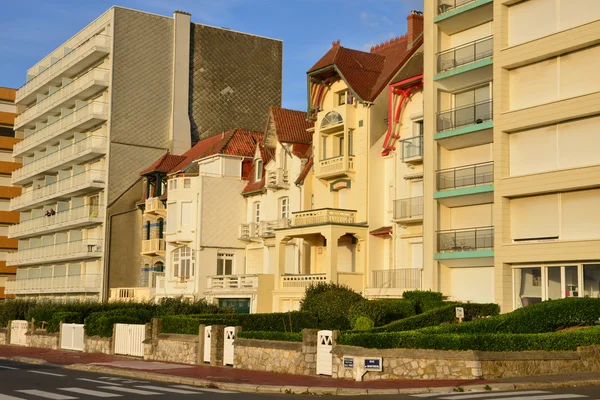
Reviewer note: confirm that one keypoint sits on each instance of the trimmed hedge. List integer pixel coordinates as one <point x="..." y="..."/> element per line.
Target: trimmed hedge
<point x="331" y="304"/>
<point x="381" y="312"/>
<point x="424" y="300"/>
<point x="278" y="336"/>
<point x="67" y="317"/>
<point x="101" y="323"/>
<point x="554" y="341"/>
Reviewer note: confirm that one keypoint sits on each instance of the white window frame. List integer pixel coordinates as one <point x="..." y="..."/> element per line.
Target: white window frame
<point x="284" y="207"/>
<point x="222" y="259"/>
<point x="258" y="169"/>
<point x="183" y="264"/>
<point x="256" y="212"/>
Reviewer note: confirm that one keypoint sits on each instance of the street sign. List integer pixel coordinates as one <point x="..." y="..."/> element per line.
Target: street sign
<point x="348" y="362"/>
<point x="373" y="364"/>
<point x="460" y="313"/>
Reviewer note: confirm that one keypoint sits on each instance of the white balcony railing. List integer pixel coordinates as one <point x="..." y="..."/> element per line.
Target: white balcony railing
<point x="324" y="216"/>
<point x="336" y="166"/>
<point x="89" y="283"/>
<point x="153" y="246"/>
<point x="65" y="124"/>
<point x="301" y="281"/>
<point x="91" y="178"/>
<point x="248" y="231"/>
<point x="401" y="278"/>
<point x="232" y="282"/>
<point x="97" y="76"/>
<point x="278" y="179"/>
<point x="86" y="248"/>
<point x="62" y="219"/>
<point x="154" y="205"/>
<point x="70" y="59"/>
<point x="266" y="229"/>
<point x="89" y="145"/>
<point x="131" y="293"/>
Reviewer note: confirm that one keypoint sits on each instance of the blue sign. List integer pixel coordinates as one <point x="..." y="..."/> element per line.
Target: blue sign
<point x="348" y="362"/>
<point x="373" y="363"/>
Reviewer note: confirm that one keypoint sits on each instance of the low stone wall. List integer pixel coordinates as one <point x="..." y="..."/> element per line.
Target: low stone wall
<point x="97" y="344"/>
<point x="3" y="336"/>
<point x="42" y="339"/>
<point x="173" y="348"/>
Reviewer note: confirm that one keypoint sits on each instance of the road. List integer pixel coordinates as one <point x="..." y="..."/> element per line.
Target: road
<point x="34" y="382"/>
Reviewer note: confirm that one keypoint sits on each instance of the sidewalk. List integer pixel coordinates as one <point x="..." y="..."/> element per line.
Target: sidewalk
<point x="267" y="382"/>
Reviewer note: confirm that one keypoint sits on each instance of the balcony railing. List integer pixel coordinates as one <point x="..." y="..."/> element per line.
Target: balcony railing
<point x="91" y="144"/>
<point x="465" y="116"/>
<point x="412" y="148"/>
<point x="301" y="281"/>
<point x="447" y="5"/>
<point x="131" y="294"/>
<point x="266" y="229"/>
<point x="248" y="231"/>
<point x="59" y="66"/>
<point x="154" y="205"/>
<point x="89" y="283"/>
<point x="153" y="246"/>
<point x="468" y="175"/>
<point x="402" y="278"/>
<point x="339" y="165"/>
<point x="62" y="125"/>
<point x="323" y="216"/>
<point x="86" y="248"/>
<point x="97" y="75"/>
<point x="62" y="219"/>
<point x="232" y="282"/>
<point x="465" y="239"/>
<point x="465" y="54"/>
<point x="409" y="208"/>
<point x="58" y="188"/>
<point x="278" y="179"/>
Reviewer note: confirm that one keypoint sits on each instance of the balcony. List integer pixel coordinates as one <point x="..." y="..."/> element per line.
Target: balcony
<point x="76" y="153"/>
<point x="58" y="252"/>
<point x="465" y="126"/>
<point x="89" y="283"/>
<point x="278" y="179"/>
<point x="323" y="216"/>
<point x="62" y="220"/>
<point x="459" y="15"/>
<point x="301" y="281"/>
<point x="476" y="244"/>
<point x="154" y="205"/>
<point x="153" y="247"/>
<point x="335" y="167"/>
<point x="393" y="282"/>
<point x="72" y="62"/>
<point x="461" y="66"/>
<point x="466" y="186"/>
<point x="409" y="210"/>
<point x="79" y="119"/>
<point x="248" y="232"/>
<point x="79" y="89"/>
<point x="266" y="229"/>
<point x="137" y="294"/>
<point x="412" y="150"/>
<point x="232" y="282"/>
<point x="92" y="180"/>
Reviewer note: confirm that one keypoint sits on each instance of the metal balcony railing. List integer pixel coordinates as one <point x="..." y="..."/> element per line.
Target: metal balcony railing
<point x="412" y="148"/>
<point x="465" y="54"/>
<point x="465" y="239"/>
<point x="468" y="175"/>
<point x="89" y="283"/>
<point x="463" y="116"/>
<point x="232" y="282"/>
<point x="61" y="219"/>
<point x="84" y="248"/>
<point x="447" y="5"/>
<point x="408" y="208"/>
<point x="401" y="278"/>
<point x="323" y="216"/>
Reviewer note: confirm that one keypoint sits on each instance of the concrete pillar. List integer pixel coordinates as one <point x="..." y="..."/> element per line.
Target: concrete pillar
<point x="8" y="331"/>
<point x="156" y="327"/>
<point x="200" y="356"/>
<point x="280" y="261"/>
<point x="331" y="257"/>
<point x="217" y="341"/>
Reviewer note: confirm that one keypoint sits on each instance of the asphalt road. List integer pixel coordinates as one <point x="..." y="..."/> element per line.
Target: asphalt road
<point x="35" y="382"/>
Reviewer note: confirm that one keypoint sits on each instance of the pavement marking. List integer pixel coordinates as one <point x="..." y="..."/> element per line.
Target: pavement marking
<point x="129" y="390"/>
<point x="5" y="367"/>
<point x="433" y="394"/>
<point x="7" y="397"/>
<point x="45" y="373"/>
<point x="171" y="390"/>
<point x="95" y="381"/>
<point x="201" y="389"/>
<point x="89" y="392"/>
<point x="545" y="397"/>
<point x="488" y="394"/>
<point x="47" y="395"/>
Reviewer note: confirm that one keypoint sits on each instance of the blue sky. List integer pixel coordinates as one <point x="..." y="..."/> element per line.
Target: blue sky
<point x="307" y="28"/>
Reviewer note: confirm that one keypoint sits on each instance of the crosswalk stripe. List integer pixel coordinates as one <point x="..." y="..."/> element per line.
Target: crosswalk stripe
<point x="546" y="397"/>
<point x="487" y="395"/>
<point x="44" y="394"/>
<point x="7" y="397"/>
<point x="90" y="392"/>
<point x="164" y="389"/>
<point x="95" y="381"/>
<point x="128" y="390"/>
<point x="201" y="389"/>
<point x="45" y="373"/>
<point x="5" y="367"/>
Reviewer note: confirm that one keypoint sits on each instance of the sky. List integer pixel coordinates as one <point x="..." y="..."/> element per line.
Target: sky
<point x="307" y="27"/>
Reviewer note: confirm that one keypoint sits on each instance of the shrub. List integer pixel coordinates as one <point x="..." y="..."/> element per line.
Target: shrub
<point x="15" y="309"/>
<point x="177" y="306"/>
<point x="363" y="324"/>
<point x="101" y="323"/>
<point x="331" y="304"/>
<point x="67" y="317"/>
<point x="424" y="300"/>
<point x="279" y="336"/>
<point x="553" y="341"/>
<point x="381" y="312"/>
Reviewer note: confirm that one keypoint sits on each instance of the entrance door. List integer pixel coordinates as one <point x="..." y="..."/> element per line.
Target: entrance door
<point x="228" y="345"/>
<point x="71" y="337"/>
<point x="324" y="356"/>
<point x="18" y="329"/>
<point x="207" y="343"/>
<point x="241" y="306"/>
<point x="129" y="339"/>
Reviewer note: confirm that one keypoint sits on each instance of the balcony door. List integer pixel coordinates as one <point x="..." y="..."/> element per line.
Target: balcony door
<point x="225" y="264"/>
<point x="472" y="106"/>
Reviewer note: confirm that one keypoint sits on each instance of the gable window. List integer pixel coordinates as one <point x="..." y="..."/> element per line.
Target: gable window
<point x="258" y="170"/>
<point x="342" y="97"/>
<point x="284" y="207"/>
<point x="183" y="264"/>
<point x="256" y="212"/>
<point x="224" y="264"/>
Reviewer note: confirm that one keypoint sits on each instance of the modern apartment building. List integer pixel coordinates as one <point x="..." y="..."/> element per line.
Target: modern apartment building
<point x="512" y="174"/>
<point x="119" y="94"/>
<point x="8" y="110"/>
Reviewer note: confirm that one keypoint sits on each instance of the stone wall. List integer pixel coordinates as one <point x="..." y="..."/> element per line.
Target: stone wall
<point x="3" y="336"/>
<point x="97" y="344"/>
<point x="41" y="339"/>
<point x="172" y="348"/>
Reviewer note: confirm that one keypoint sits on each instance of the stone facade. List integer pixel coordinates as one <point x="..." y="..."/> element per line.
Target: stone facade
<point x="172" y="348"/>
<point x="97" y="344"/>
<point x="44" y="340"/>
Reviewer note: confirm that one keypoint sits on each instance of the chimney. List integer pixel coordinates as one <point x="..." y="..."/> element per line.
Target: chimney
<point x="415" y="26"/>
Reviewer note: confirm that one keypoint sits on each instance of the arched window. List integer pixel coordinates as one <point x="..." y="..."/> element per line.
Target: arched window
<point x="161" y="223"/>
<point x="332" y="118"/>
<point x="183" y="264"/>
<point x="147" y="230"/>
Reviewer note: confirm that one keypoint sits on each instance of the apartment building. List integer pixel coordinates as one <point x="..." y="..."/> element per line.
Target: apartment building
<point x="116" y="96"/>
<point x="8" y="110"/>
<point x="510" y="112"/>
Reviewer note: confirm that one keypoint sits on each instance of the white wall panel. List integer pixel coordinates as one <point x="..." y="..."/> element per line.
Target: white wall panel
<point x="533" y="151"/>
<point x="572" y="13"/>
<point x="529" y="20"/>
<point x="579" y="216"/>
<point x="578" y="143"/>
<point x="534" y="217"/>
<point x="533" y="84"/>
<point x="579" y="72"/>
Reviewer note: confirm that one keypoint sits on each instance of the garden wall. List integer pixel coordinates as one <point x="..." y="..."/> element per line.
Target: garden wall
<point x="173" y="348"/>
<point x="41" y="339"/>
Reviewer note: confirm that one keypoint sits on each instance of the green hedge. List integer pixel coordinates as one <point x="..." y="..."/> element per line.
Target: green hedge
<point x="101" y="323"/>
<point x="554" y="341"/>
<point x="67" y="317"/>
<point x="331" y="303"/>
<point x="381" y="312"/>
<point x="445" y="314"/>
<point x="424" y="300"/>
<point x="278" y="336"/>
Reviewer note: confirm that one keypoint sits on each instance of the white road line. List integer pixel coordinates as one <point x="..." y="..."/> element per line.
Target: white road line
<point x="128" y="390"/>
<point x="164" y="389"/>
<point x="7" y="397"/>
<point x="432" y="394"/>
<point x="201" y="389"/>
<point x="489" y="394"/>
<point x="89" y="392"/>
<point x="47" y="395"/>
<point x="45" y="373"/>
<point x="102" y="382"/>
<point x="5" y="367"/>
<point x="545" y="397"/>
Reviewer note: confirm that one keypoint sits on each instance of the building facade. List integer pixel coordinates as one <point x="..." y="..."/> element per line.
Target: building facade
<point x="120" y="93"/>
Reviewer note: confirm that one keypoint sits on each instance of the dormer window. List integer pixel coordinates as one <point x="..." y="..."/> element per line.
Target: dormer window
<point x="342" y="97"/>
<point x="258" y="170"/>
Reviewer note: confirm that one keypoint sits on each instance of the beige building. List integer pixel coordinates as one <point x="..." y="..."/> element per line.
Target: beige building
<point x="116" y="96"/>
<point x="511" y="170"/>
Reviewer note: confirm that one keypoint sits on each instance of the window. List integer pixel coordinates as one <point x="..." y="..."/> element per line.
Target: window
<point x="187" y="183"/>
<point x="224" y="264"/>
<point x="284" y="207"/>
<point x="186" y="213"/>
<point x="342" y="98"/>
<point x="340" y="145"/>
<point x="418" y="128"/>
<point x="147" y="230"/>
<point x="173" y="184"/>
<point x="183" y="263"/>
<point x="350" y="142"/>
<point x="332" y="118"/>
<point x="324" y="148"/>
<point x="258" y="170"/>
<point x="160" y="228"/>
<point x="256" y="211"/>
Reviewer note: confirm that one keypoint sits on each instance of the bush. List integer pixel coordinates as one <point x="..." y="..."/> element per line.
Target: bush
<point x="363" y="324"/>
<point x="554" y="341"/>
<point x="331" y="304"/>
<point x="424" y="300"/>
<point x="67" y="317"/>
<point x="279" y="336"/>
<point x="101" y="323"/>
<point x="15" y="309"/>
<point x="381" y="312"/>
<point x="177" y="306"/>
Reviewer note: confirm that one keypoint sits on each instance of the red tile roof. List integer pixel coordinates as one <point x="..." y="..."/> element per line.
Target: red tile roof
<point x="304" y="172"/>
<point x="257" y="186"/>
<point x="291" y="125"/>
<point x="382" y="232"/>
<point x="301" y="150"/>
<point x="163" y="164"/>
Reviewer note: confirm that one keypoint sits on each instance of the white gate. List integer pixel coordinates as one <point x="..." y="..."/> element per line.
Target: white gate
<point x="324" y="356"/>
<point x="129" y="339"/>
<point x="207" y="340"/>
<point x="228" y="345"/>
<point x="71" y="337"/>
<point x="18" y="329"/>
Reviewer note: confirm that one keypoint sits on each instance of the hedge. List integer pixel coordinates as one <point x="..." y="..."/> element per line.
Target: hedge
<point x="101" y="323"/>
<point x="67" y="317"/>
<point x="331" y="303"/>
<point x="278" y="336"/>
<point x="424" y="300"/>
<point x="546" y="316"/>
<point x="553" y="341"/>
<point x="381" y="312"/>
